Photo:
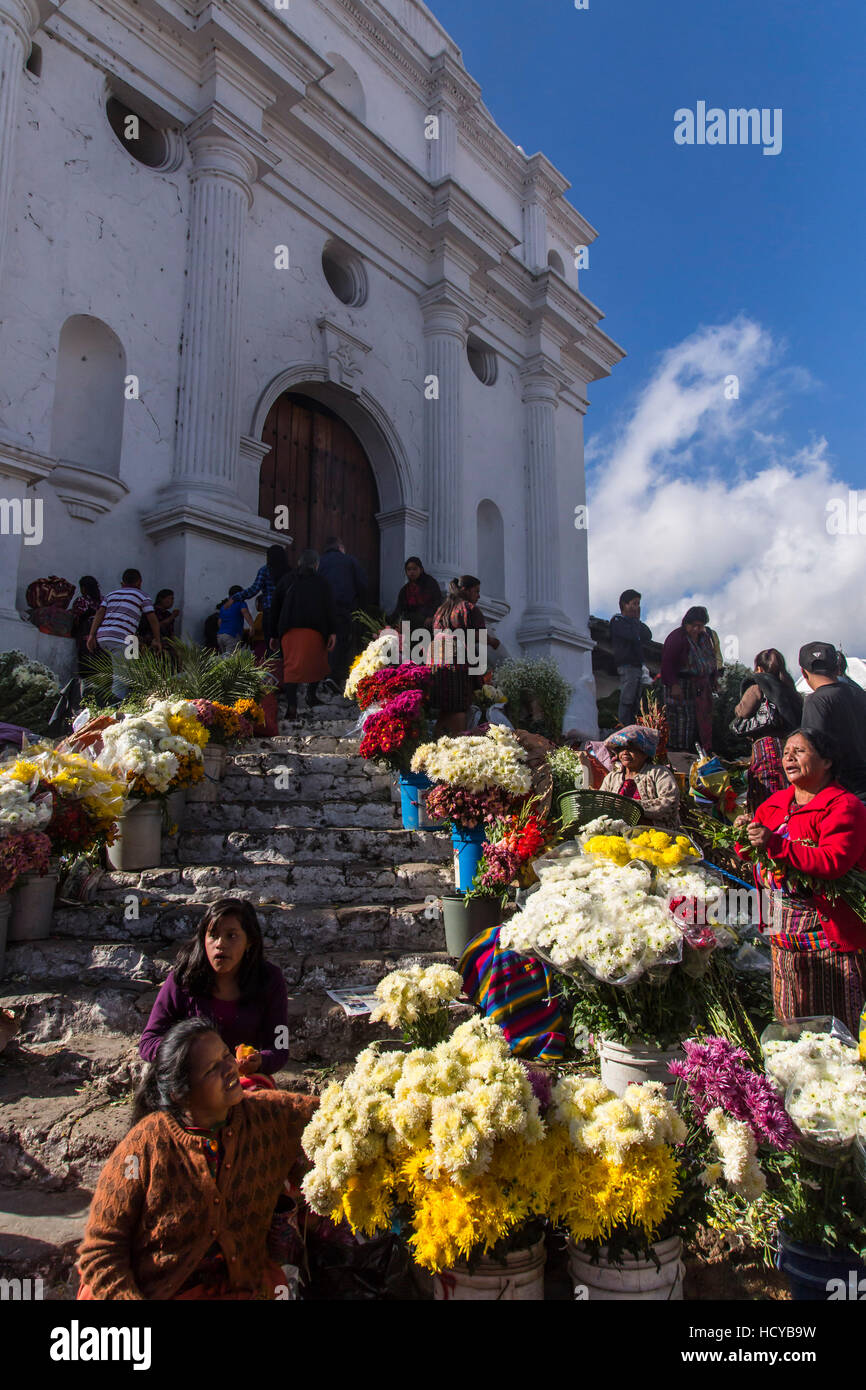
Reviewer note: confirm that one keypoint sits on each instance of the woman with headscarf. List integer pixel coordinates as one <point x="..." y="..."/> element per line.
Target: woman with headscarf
<point x="689" y="677"/>
<point x="454" y="679"/>
<point x="770" y="708"/>
<point x="636" y="776"/>
<point x="307" y="630"/>
<point x="815" y="827"/>
<point x="418" y="599"/>
<point x="275" y="568"/>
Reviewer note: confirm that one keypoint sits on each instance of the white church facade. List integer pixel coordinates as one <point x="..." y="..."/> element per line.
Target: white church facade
<point x="269" y="263"/>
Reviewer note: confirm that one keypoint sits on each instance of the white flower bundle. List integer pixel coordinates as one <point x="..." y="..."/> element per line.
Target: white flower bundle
<point x="383" y="651"/>
<point x="18" y="809"/>
<point x="144" y="746"/>
<point x="824" y="1084"/>
<point x="477" y="762"/>
<point x="408" y="995"/>
<point x="613" y="921"/>
<point x="737" y="1148"/>
<point x="600" y="1122"/>
<point x="454" y="1102"/>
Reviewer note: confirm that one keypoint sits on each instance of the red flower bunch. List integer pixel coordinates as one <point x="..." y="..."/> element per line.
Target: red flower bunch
<point x="383" y="685"/>
<point x="396" y="729"/>
<point x="70" y="826"/>
<point x="27" y="853"/>
<point x="467" y="809"/>
<point x="515" y="842"/>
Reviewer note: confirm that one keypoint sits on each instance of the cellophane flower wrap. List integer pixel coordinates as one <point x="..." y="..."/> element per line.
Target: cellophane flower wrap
<point x="22" y="806"/>
<point x="86" y="801"/>
<point x="823" y="1083"/>
<point x="144" y="753"/>
<point x="383" y="651"/>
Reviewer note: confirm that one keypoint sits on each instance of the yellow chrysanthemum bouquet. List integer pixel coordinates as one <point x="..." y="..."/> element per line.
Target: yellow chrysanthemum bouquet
<point x="85" y="800"/>
<point x="653" y="846"/>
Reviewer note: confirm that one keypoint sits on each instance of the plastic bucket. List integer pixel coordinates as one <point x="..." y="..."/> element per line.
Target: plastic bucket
<point x="466" y="920"/>
<point x="625" y="1063"/>
<point x="468" y="849"/>
<point x="5" y="910"/>
<point x="139" y="843"/>
<point x="519" y="1277"/>
<point x="412" y="784"/>
<point x="634" y="1280"/>
<point x="175" y="803"/>
<point x="819" y="1274"/>
<point x="32" y="907"/>
<point x="214" y="757"/>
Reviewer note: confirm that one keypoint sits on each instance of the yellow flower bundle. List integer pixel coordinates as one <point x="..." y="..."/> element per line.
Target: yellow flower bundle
<point x="656" y="847"/>
<point x="73" y="777"/>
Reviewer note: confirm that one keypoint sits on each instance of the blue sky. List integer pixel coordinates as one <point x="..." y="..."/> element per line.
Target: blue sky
<point x="700" y="238"/>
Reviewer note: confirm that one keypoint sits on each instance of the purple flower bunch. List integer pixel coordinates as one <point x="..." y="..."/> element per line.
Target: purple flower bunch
<point x="407" y="705"/>
<point x="718" y="1075"/>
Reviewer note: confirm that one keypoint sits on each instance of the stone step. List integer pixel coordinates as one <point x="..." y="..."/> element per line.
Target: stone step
<point x="165" y="922"/>
<point x="276" y="884"/>
<point x="247" y="811"/>
<point x="327" y="847"/>
<point x="53" y="964"/>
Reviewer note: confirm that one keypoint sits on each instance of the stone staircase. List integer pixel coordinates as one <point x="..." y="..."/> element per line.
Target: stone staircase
<point x="306" y="830"/>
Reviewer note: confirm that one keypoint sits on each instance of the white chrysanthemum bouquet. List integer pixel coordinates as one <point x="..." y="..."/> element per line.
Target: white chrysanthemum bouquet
<point x="817" y="1068"/>
<point x="416" y="1000"/>
<point x="146" y="752"/>
<point x="383" y="651"/>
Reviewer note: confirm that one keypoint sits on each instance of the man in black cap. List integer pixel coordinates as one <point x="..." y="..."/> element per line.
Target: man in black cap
<point x="838" y="709"/>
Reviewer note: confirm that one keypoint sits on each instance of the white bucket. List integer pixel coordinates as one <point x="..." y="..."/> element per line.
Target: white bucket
<point x="139" y="842"/>
<point x="633" y="1280"/>
<point x="174" y="807"/>
<point x="623" y="1064"/>
<point x="32" y="907"/>
<point x="520" y="1277"/>
<point x="214" y="757"/>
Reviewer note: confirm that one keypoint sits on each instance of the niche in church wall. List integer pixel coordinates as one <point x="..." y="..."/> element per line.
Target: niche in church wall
<point x="491" y="549"/>
<point x="87" y="421"/>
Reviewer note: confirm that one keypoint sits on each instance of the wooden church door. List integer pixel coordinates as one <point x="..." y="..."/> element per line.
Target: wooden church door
<point x="317" y="468"/>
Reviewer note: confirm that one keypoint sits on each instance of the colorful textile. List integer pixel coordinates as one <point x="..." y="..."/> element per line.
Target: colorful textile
<point x="517" y="994"/>
<point x="808" y="983"/>
<point x="635" y="735"/>
<point x="146" y="1235"/>
<point x="766" y="773"/>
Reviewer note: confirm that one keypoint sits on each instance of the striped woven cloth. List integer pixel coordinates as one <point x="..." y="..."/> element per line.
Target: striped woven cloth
<point x="516" y="993"/>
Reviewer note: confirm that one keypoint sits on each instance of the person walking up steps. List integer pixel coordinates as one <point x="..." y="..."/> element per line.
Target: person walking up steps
<point x="116" y="620"/>
<point x="348" y="584"/>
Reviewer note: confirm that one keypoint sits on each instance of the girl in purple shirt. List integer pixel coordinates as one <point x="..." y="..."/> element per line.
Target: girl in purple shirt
<point x="222" y="975"/>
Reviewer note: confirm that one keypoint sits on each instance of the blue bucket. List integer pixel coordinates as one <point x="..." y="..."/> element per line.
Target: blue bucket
<point x="468" y="849"/>
<point x="411" y="783"/>
<point x="815" y="1272"/>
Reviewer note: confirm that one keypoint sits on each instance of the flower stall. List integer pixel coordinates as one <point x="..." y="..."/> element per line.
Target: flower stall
<point x="395" y="722"/>
<point x="477" y="777"/>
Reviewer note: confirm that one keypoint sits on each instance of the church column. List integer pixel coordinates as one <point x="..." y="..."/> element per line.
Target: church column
<point x="540" y="394"/>
<point x="19" y="19"/>
<point x="208" y="424"/>
<point x="446" y="321"/>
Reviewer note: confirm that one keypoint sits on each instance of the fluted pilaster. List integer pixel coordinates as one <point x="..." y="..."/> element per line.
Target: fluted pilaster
<point x="542" y="520"/>
<point x="445" y="333"/>
<point x="208" y="424"/>
<point x="19" y="20"/>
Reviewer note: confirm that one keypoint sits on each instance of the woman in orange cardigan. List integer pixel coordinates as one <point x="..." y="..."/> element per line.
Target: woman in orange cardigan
<point x="183" y="1205"/>
<point x="818" y="943"/>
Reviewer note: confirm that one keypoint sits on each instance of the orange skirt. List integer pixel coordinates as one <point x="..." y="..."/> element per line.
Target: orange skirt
<point x="305" y="656"/>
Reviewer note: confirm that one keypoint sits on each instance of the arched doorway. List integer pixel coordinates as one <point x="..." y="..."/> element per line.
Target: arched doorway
<point x="318" y="468"/>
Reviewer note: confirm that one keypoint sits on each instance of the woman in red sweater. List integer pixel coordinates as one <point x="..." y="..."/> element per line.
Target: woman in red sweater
<point x="818" y="942"/>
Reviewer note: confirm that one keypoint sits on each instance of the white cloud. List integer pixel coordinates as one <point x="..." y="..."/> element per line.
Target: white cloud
<point x="699" y="499"/>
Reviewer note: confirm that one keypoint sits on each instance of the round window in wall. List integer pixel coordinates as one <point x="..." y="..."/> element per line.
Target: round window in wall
<point x="482" y="360"/>
<point x="345" y="273"/>
<point x="145" y="142"/>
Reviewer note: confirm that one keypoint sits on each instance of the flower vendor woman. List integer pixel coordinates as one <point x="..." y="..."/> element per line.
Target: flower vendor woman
<point x="222" y="976"/>
<point x="815" y="827"/>
<point x="183" y="1206"/>
<point x="689" y="667"/>
<point x="638" y="777"/>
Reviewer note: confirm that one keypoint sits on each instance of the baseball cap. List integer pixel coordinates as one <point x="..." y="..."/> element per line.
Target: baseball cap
<point x="819" y="658"/>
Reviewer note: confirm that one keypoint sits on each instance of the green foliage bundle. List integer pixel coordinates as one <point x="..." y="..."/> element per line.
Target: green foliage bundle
<point x="186" y="672"/>
<point x="28" y="692"/>
<point x="526" y="682"/>
<point x="566" y="768"/>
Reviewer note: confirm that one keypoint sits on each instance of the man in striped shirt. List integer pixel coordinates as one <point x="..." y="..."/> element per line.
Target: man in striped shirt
<point x="116" y="620"/>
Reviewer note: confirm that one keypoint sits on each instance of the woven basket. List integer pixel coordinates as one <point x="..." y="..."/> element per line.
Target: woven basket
<point x="580" y="807"/>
